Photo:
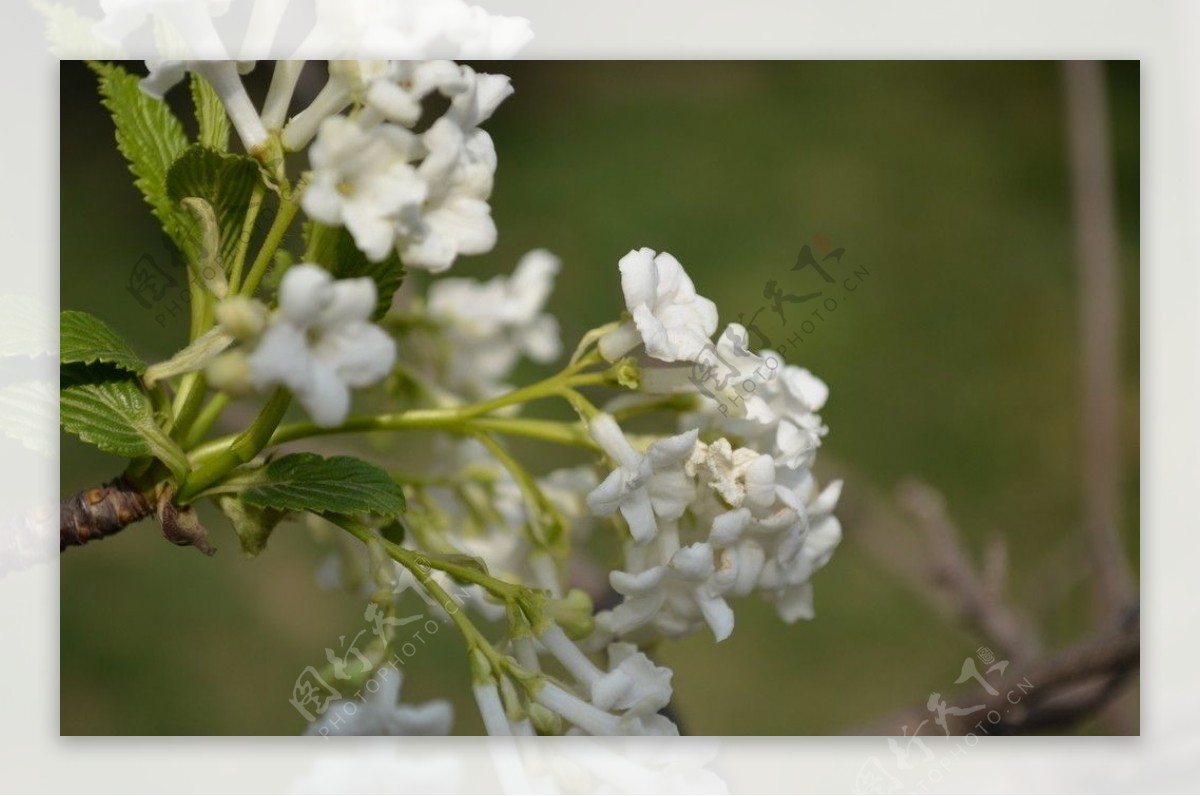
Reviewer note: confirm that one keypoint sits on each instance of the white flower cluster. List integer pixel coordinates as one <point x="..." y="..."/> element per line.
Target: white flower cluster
<point x="726" y="518"/>
<point x="483" y="328"/>
<point x="423" y="195"/>
<point x="624" y="699"/>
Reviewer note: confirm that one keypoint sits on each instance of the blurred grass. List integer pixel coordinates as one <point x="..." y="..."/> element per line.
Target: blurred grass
<point x="956" y="361"/>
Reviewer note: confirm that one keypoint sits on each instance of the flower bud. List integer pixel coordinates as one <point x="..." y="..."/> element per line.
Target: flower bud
<point x="243" y="317"/>
<point x="573" y="614"/>
<point x="230" y="372"/>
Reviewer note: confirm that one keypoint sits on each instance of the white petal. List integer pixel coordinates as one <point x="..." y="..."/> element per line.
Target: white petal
<point x="654" y="334"/>
<point x="694" y="562"/>
<point x="327" y="400"/>
<point x="305" y="291"/>
<point x="642" y="583"/>
<point x="282" y="358"/>
<point x="608" y="435"/>
<point x="635" y="612"/>
<point x="360" y="354"/>
<point x="468" y="222"/>
<point x="672" y="451"/>
<point x="540" y="340"/>
<point x="796" y="603"/>
<point x="619" y="342"/>
<point x="607" y="496"/>
<point x="353" y="300"/>
<point x="639" y="514"/>
<point x="639" y="278"/>
<point x="727" y="528"/>
<point x="717" y="614"/>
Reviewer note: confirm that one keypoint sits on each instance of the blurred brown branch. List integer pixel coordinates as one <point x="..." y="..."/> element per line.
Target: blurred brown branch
<point x="1094" y="202"/>
<point x="1056" y="693"/>
<point x="976" y="597"/>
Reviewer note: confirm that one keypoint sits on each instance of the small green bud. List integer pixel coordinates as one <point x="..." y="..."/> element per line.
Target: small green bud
<point x="627" y="374"/>
<point x="573" y="614"/>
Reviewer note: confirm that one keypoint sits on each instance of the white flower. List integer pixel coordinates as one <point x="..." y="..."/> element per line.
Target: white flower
<point x="380" y="712"/>
<point x="788" y="583"/>
<point x="362" y="179"/>
<point x="455" y="217"/>
<point x="225" y="80"/>
<point x="398" y="98"/>
<point x="476" y="98"/>
<point x="488" y="326"/>
<point x="672" y="598"/>
<point x="768" y="406"/>
<point x="672" y="321"/>
<point x="642" y="487"/>
<point x="321" y="342"/>
<point x="633" y="684"/>
<point x="348" y="81"/>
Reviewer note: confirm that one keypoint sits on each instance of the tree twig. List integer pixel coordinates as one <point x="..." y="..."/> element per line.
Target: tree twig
<point x="976" y="598"/>
<point x="1093" y="199"/>
<point x="1053" y="694"/>
<point x="103" y="511"/>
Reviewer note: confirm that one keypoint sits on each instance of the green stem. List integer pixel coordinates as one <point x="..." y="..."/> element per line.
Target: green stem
<point x="420" y="566"/>
<point x="205" y="420"/>
<point x="545" y="520"/>
<point x="240" y="449"/>
<point x="590" y="339"/>
<point x="187" y="402"/>
<point x="279" y="228"/>
<point x="243" y="247"/>
<point x="463" y="419"/>
<point x="415" y="420"/>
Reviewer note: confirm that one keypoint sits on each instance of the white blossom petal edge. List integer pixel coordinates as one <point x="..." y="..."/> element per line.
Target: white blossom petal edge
<point x="320" y="342"/>
<point x="673" y="322"/>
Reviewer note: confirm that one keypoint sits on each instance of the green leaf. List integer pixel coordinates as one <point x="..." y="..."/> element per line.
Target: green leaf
<point x="210" y="113"/>
<point x="340" y="485"/>
<point x="333" y="249"/>
<point x="252" y="524"/>
<point x="85" y="339"/>
<point x="148" y="135"/>
<point x="109" y="409"/>
<point x="226" y="182"/>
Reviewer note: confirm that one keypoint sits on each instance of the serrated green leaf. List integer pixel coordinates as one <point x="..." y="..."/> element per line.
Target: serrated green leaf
<point x="340" y="485"/>
<point x="210" y="114"/>
<point x="252" y="524"/>
<point x="225" y="182"/>
<point x="85" y="339"/>
<point x="333" y="249"/>
<point x="110" y="410"/>
<point x="148" y="134"/>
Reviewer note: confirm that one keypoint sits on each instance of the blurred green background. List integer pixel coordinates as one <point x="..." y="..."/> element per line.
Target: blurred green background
<point x="956" y="361"/>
